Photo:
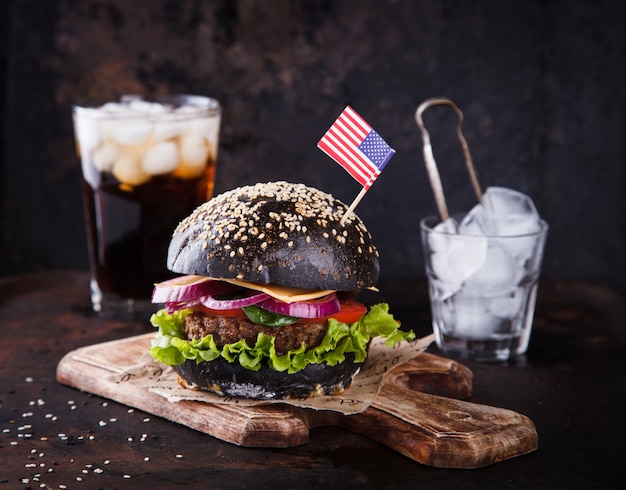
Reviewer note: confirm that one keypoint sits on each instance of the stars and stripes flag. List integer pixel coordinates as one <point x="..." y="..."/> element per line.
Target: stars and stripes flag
<point x="354" y="145"/>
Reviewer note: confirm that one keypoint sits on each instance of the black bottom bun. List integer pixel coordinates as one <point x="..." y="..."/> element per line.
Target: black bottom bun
<point x="231" y="379"/>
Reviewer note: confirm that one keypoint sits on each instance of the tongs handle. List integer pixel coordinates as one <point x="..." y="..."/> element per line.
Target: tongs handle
<point x="429" y="157"/>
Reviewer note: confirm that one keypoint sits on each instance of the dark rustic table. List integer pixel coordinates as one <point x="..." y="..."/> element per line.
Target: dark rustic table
<point x="572" y="384"/>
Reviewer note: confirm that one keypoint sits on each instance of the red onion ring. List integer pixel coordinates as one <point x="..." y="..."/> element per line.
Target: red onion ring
<point x="171" y="307"/>
<point x="187" y="291"/>
<point x="316" y="308"/>
<point x="228" y="304"/>
<point x="187" y="288"/>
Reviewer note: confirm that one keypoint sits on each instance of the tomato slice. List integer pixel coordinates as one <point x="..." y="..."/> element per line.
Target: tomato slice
<point x="351" y="311"/>
<point x="231" y="313"/>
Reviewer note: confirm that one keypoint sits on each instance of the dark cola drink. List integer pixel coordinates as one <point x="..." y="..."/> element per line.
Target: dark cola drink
<point x="145" y="166"/>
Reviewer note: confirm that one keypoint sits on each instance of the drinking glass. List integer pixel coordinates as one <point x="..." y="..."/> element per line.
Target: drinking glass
<point x="145" y="165"/>
<point x="483" y="289"/>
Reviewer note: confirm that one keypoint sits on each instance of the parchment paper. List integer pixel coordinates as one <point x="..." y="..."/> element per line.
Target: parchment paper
<point x="160" y="379"/>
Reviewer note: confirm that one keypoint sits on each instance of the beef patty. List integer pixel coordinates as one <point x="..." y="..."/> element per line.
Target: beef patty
<point x="227" y="330"/>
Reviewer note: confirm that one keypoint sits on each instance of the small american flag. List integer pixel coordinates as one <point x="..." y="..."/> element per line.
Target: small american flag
<point x="354" y="145"/>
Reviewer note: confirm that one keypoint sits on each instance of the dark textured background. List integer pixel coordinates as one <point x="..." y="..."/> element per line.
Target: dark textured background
<point x="541" y="84"/>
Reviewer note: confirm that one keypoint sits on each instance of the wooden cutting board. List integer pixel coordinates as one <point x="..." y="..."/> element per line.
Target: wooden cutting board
<point x="417" y="412"/>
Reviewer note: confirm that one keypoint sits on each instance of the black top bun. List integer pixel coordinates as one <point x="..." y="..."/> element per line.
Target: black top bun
<point x="276" y="233"/>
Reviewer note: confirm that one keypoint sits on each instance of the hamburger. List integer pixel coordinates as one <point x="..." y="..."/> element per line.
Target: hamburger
<point x="266" y="306"/>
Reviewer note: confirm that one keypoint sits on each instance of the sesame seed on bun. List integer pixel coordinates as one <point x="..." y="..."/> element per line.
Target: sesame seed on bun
<point x="276" y="233"/>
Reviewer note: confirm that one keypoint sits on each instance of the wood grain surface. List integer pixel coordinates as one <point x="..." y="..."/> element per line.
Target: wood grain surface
<point x="435" y="430"/>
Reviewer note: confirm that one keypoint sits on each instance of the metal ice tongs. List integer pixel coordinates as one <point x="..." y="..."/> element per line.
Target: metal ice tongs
<point x="429" y="158"/>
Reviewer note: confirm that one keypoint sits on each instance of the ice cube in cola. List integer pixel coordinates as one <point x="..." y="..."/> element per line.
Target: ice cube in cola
<point x="145" y="166"/>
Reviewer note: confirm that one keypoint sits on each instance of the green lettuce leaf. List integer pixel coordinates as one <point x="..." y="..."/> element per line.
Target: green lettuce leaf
<point x="171" y="347"/>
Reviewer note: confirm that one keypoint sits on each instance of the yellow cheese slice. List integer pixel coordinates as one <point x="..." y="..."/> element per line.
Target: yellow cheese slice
<point x="187" y="280"/>
<point x="281" y="293"/>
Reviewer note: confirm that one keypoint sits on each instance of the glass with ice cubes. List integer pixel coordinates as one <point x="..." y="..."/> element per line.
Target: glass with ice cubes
<point x="483" y="270"/>
<point x="146" y="164"/>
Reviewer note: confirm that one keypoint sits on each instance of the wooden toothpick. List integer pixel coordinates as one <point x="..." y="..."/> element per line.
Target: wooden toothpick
<point x="354" y="204"/>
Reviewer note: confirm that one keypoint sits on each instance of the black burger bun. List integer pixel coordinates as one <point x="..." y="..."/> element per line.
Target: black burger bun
<point x="276" y="233"/>
<point x="230" y="379"/>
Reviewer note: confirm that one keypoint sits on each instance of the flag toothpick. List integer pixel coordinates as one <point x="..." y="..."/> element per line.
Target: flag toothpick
<point x="360" y="150"/>
<point x="354" y="204"/>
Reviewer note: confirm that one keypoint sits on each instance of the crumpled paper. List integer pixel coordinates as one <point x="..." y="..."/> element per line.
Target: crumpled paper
<point x="162" y="380"/>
